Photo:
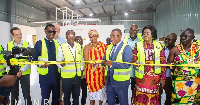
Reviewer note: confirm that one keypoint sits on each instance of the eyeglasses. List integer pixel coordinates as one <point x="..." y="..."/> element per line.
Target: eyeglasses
<point x="51" y="31"/>
<point x="146" y="33"/>
<point x="167" y="39"/>
<point x="114" y="36"/>
<point x="78" y="40"/>
<point x="71" y="35"/>
<point x="17" y="34"/>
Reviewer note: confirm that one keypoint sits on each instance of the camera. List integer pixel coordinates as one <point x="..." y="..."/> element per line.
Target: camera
<point x="17" y="53"/>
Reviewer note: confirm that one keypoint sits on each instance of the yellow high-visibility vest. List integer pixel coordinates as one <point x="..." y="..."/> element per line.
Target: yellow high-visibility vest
<point x="138" y="35"/>
<point x="119" y="74"/>
<point x="2" y="67"/>
<point x="139" y="73"/>
<point x="44" y="56"/>
<point x="25" y="44"/>
<point x="72" y="69"/>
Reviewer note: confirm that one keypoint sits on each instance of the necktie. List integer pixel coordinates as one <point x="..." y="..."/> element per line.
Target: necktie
<point x="114" y="47"/>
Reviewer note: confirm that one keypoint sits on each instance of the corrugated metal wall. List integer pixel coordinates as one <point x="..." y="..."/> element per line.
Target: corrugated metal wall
<point x="3" y="10"/>
<point x="175" y="15"/>
<point x="142" y="20"/>
<point x="22" y="13"/>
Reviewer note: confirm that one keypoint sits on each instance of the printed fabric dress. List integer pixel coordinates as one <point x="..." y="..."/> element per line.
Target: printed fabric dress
<point x="185" y="80"/>
<point x="147" y="88"/>
<point x="95" y="74"/>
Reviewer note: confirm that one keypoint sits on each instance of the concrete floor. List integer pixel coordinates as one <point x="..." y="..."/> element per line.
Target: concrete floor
<point x="36" y="92"/>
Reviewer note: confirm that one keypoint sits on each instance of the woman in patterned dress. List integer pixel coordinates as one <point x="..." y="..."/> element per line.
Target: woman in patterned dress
<point x="185" y="79"/>
<point x="95" y="73"/>
<point x="148" y="77"/>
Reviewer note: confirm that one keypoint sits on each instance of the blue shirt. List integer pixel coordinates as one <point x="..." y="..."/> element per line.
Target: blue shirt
<point x="168" y="72"/>
<point x="132" y="45"/>
<point x="52" y="76"/>
<point x="60" y="40"/>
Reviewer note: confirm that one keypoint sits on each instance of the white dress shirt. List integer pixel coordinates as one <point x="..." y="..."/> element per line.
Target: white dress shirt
<point x="60" y="56"/>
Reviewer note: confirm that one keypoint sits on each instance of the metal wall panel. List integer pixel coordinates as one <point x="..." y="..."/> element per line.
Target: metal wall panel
<point x="3" y="10"/>
<point x="175" y="15"/>
<point x="22" y="13"/>
<point x="141" y="20"/>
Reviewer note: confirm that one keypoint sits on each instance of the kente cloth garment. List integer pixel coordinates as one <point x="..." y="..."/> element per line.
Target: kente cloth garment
<point x="185" y="79"/>
<point x="198" y="97"/>
<point x="95" y="73"/>
<point x="147" y="88"/>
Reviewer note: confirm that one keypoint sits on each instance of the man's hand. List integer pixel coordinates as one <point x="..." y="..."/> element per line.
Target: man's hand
<point x="19" y="73"/>
<point x="137" y="63"/>
<point x="8" y="80"/>
<point x="162" y="82"/>
<point x="45" y="65"/>
<point x="62" y="64"/>
<point x="108" y="63"/>
<point x="83" y="76"/>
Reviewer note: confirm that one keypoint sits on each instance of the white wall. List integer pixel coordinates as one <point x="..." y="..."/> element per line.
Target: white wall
<point x="5" y="33"/>
<point x="27" y="32"/>
<point x="103" y="30"/>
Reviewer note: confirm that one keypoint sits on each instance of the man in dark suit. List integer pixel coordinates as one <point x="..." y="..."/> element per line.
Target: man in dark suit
<point x="118" y="74"/>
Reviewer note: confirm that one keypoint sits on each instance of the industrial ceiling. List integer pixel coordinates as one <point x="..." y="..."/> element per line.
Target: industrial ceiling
<point x="96" y="8"/>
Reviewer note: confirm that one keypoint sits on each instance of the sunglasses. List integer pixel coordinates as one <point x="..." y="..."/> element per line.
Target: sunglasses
<point x="114" y="36"/>
<point x="51" y="31"/>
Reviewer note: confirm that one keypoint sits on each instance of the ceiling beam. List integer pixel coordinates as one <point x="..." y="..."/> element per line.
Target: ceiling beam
<point x="121" y="13"/>
<point x="96" y="4"/>
<point x="33" y="4"/>
<point x="89" y="8"/>
<point x="103" y="9"/>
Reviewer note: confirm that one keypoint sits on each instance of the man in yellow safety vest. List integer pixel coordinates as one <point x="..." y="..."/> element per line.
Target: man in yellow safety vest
<point x="70" y="72"/>
<point x="118" y="74"/>
<point x="24" y="71"/>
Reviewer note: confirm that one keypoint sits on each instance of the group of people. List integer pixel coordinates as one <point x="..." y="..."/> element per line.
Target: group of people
<point x="135" y="59"/>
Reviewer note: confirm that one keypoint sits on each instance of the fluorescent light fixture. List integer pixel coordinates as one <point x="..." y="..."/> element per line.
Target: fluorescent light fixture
<point x="78" y="1"/>
<point x="129" y="0"/>
<point x="65" y="20"/>
<point x="125" y="13"/>
<point x="91" y="14"/>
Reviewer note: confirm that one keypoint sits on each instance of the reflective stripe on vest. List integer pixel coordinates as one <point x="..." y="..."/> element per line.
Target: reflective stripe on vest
<point x="119" y="74"/>
<point x="138" y="35"/>
<point x="25" y="44"/>
<point x="71" y="69"/>
<point x="2" y="67"/>
<point x="139" y="73"/>
<point x="44" y="56"/>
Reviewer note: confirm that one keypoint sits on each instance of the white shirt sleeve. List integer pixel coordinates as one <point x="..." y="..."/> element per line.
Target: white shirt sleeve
<point x="26" y="66"/>
<point x="59" y="56"/>
<point x="82" y="63"/>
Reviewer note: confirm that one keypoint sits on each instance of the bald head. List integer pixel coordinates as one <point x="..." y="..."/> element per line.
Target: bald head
<point x="108" y="41"/>
<point x="79" y="40"/>
<point x="133" y="30"/>
<point x="170" y="40"/>
<point x="187" y="36"/>
<point x="57" y="29"/>
<point x="188" y="31"/>
<point x="173" y="35"/>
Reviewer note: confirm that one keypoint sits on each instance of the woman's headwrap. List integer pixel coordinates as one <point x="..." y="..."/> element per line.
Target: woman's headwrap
<point x="93" y="31"/>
